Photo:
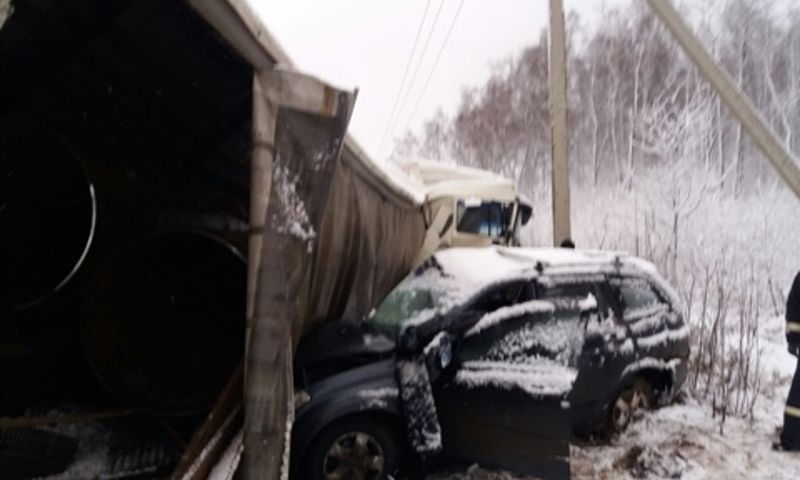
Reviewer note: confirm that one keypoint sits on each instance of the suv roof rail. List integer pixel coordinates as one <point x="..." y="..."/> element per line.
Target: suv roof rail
<point x="513" y="255"/>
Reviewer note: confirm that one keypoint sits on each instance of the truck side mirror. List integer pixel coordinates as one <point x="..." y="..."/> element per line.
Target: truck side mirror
<point x="525" y="213"/>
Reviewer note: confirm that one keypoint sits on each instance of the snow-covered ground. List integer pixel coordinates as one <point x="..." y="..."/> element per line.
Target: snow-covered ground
<point x="686" y="440"/>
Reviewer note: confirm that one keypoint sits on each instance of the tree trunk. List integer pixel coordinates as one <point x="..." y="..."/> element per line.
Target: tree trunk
<point x="595" y="126"/>
<point x="632" y="118"/>
<point x="739" y="142"/>
<point x="719" y="139"/>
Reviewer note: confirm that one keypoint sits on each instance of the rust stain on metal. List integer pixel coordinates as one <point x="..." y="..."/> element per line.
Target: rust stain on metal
<point x="329" y="101"/>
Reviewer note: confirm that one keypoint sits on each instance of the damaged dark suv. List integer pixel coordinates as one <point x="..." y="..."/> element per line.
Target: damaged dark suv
<point x="494" y="356"/>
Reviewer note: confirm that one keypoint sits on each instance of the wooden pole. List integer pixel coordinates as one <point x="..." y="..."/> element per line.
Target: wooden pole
<point x="558" y="116"/>
<point x="260" y="184"/>
<point x="773" y="148"/>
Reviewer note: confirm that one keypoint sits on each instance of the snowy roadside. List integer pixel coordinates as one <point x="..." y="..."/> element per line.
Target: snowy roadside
<point x="685" y="441"/>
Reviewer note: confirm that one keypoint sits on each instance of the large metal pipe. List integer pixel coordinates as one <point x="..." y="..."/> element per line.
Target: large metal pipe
<point x="47" y="216"/>
<point x="163" y="320"/>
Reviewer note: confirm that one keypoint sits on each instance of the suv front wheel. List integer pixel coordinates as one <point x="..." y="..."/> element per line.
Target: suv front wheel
<point x="354" y="448"/>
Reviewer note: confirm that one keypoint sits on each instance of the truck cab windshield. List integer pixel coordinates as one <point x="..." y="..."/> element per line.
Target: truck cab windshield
<point x="491" y="219"/>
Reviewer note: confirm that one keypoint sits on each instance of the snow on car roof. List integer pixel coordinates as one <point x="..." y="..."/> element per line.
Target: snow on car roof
<point x="559" y="257"/>
<point x="485" y="265"/>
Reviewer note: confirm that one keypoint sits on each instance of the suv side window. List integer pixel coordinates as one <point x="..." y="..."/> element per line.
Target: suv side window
<point x="493" y="302"/>
<point x="547" y="328"/>
<point x="503" y="296"/>
<point x="571" y="291"/>
<point x="636" y="297"/>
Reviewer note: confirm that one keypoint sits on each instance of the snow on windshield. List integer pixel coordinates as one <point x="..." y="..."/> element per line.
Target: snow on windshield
<point x="419" y="297"/>
<point x="448" y="280"/>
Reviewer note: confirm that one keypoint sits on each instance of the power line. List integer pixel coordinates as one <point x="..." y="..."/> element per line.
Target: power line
<point x="405" y="76"/>
<point x="416" y="69"/>
<point x="435" y="64"/>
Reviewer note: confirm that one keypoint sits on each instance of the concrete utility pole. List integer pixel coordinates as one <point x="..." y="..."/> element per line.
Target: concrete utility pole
<point x="773" y="148"/>
<point x="558" y="118"/>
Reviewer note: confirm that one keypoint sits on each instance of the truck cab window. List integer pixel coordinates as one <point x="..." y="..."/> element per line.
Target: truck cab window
<point x="491" y="219"/>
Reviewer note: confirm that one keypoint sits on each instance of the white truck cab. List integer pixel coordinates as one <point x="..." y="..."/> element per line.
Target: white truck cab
<point x="467" y="207"/>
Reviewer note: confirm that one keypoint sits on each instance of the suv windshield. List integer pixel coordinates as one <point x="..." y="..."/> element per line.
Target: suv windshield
<point x="418" y="297"/>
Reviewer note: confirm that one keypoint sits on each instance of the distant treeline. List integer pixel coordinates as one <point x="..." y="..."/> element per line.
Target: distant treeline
<point x="635" y="100"/>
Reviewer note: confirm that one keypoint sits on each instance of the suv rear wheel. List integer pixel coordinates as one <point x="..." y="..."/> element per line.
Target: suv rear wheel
<point x="632" y="401"/>
<point x="354" y="448"/>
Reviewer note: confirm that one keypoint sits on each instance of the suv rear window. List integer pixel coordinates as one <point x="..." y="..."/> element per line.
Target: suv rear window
<point x="637" y="296"/>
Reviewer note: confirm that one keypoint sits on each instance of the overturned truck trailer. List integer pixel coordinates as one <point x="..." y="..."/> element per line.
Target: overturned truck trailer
<point x="171" y="203"/>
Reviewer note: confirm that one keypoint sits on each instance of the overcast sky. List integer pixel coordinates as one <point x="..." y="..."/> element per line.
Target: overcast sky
<point x="366" y="44"/>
